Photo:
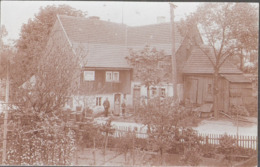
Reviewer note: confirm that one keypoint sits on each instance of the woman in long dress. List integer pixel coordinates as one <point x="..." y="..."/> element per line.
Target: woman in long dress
<point x="117" y="107"/>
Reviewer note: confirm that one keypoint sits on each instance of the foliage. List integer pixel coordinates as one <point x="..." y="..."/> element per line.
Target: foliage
<point x="166" y="131"/>
<point x="107" y="129"/>
<point x="6" y="52"/>
<point x="125" y="143"/>
<point x="40" y="106"/>
<point x="52" y="144"/>
<point x="239" y="110"/>
<point x="91" y="134"/>
<point x="208" y="150"/>
<point x="226" y="145"/>
<point x="146" y="65"/>
<point x="33" y="39"/>
<point x="224" y="31"/>
<point x="191" y="157"/>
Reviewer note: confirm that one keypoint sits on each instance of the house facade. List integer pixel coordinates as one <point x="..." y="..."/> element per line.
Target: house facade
<point x="105" y="72"/>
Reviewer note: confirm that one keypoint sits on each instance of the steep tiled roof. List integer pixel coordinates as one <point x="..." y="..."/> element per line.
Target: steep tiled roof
<point x="104" y="55"/>
<point x="86" y="30"/>
<point x="156" y="35"/>
<point x="198" y="62"/>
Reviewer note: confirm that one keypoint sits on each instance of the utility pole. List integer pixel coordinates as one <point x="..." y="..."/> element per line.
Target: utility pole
<point x="6" y="113"/>
<point x="174" y="69"/>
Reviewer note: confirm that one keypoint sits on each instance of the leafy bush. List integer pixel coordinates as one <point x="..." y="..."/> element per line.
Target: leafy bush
<point x="239" y="109"/>
<point x="208" y="151"/>
<point x="191" y="157"/>
<point x="227" y="145"/>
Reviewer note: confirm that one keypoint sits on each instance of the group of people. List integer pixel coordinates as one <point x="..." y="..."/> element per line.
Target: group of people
<point x="106" y="105"/>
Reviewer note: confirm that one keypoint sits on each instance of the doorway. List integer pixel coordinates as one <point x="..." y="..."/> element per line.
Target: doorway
<point x="192" y="87"/>
<point x="117" y="103"/>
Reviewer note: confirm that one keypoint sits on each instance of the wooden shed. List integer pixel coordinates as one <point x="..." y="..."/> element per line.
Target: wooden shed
<point x="234" y="87"/>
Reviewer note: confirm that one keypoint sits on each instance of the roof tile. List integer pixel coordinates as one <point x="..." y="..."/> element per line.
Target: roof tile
<point x="198" y="62"/>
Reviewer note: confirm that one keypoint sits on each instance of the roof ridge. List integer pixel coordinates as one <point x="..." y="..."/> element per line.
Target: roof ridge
<point x="88" y="18"/>
<point x="153" y="24"/>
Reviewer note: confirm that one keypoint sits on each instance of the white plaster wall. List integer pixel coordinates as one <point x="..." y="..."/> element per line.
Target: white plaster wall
<point x="91" y="101"/>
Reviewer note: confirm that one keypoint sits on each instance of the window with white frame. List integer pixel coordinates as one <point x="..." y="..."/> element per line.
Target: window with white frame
<point x="116" y="76"/>
<point x="112" y="76"/>
<point x="89" y="75"/>
<point x="162" y="92"/>
<point x="109" y="76"/>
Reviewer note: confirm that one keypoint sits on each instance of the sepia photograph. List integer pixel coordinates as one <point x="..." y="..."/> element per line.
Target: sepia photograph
<point x="128" y="83"/>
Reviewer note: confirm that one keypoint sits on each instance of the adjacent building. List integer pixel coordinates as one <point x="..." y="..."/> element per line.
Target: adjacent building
<point x="107" y="74"/>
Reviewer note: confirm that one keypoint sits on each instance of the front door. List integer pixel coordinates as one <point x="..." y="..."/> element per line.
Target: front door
<point x="117" y="101"/>
<point x="192" y="88"/>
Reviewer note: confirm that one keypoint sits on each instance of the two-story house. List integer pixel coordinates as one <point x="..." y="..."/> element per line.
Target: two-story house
<point x="106" y="73"/>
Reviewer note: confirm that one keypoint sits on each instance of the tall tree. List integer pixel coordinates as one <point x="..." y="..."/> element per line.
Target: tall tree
<point x="33" y="39"/>
<point x="41" y="136"/>
<point x="3" y="51"/>
<point x="244" y="27"/>
<point x="225" y="32"/>
<point x="147" y="70"/>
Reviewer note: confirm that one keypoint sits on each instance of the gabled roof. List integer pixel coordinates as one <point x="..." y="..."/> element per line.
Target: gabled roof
<point x="104" y="55"/>
<point x="87" y="30"/>
<point x="199" y="63"/>
<point x="155" y="35"/>
<point x="95" y="31"/>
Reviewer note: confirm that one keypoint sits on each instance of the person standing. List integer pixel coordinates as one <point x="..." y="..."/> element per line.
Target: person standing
<point x="117" y="107"/>
<point x="123" y="105"/>
<point x="106" y="105"/>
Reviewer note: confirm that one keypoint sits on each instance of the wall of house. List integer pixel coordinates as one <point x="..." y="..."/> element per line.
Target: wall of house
<point x="240" y="93"/>
<point x="197" y="88"/>
<point x="154" y="90"/>
<point x="101" y="86"/>
<point x="79" y="103"/>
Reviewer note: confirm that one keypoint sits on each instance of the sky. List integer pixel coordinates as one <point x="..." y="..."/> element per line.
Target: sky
<point x="16" y="13"/>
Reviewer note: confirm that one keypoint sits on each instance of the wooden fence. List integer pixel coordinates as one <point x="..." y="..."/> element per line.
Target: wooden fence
<point x="242" y="141"/>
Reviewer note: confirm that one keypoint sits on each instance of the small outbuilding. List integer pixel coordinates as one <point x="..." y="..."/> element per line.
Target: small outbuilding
<point x="234" y="87"/>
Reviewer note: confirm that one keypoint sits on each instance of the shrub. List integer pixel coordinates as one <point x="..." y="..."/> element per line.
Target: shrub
<point x="239" y="109"/>
<point x="191" y="157"/>
<point x="227" y="145"/>
<point x="208" y="151"/>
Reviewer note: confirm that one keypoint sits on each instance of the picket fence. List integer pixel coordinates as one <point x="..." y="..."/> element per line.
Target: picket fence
<point x="242" y="141"/>
<point x="249" y="142"/>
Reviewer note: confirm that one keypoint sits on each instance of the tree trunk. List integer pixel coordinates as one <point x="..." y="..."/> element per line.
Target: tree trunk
<point x="105" y="147"/>
<point x="161" y="156"/>
<point x="148" y="93"/>
<point x="133" y="150"/>
<point x="241" y="60"/>
<point x="94" y="153"/>
<point x="215" y="92"/>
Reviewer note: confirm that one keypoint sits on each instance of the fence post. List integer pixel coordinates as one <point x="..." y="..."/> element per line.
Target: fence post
<point x="247" y="141"/>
